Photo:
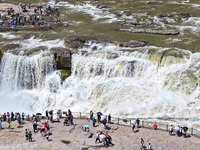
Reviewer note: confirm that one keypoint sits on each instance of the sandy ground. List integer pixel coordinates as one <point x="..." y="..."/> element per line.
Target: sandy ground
<point x="122" y="137"/>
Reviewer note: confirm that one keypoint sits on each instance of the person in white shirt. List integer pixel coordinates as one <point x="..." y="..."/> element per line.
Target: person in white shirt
<point x="97" y="137"/>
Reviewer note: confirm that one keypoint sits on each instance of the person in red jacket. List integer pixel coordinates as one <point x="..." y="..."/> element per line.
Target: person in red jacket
<point x="155" y="126"/>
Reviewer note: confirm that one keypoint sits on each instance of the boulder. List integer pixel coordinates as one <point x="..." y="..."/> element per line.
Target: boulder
<point x="139" y="22"/>
<point x="9" y="47"/>
<point x="62" y="57"/>
<point x="75" y="41"/>
<point x="133" y="44"/>
<point x="151" y="31"/>
<point x="154" y="3"/>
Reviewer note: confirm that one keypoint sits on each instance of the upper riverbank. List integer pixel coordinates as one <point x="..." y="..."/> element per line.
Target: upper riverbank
<point x="102" y="20"/>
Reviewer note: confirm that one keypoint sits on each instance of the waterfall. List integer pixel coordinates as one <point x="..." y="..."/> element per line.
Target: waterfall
<point x="24" y="72"/>
<point x="122" y="82"/>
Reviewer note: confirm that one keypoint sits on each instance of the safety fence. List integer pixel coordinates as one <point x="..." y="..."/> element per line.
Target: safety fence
<point x="123" y="122"/>
<point x="128" y="122"/>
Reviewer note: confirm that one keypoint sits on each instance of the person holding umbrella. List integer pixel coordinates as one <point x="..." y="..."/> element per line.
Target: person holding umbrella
<point x="104" y="123"/>
<point x="177" y="128"/>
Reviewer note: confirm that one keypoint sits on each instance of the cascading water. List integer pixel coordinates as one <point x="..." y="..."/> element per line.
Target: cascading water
<point x="25" y="72"/>
<point x="21" y="75"/>
<point x="123" y="83"/>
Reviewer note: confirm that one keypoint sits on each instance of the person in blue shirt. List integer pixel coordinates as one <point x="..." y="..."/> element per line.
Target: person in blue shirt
<point x="26" y="134"/>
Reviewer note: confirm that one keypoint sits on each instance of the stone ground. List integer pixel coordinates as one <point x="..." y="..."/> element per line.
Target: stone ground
<point x="122" y="137"/>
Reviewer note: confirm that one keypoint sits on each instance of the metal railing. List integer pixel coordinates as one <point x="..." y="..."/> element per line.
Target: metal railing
<point x="127" y="122"/>
<point x="123" y="122"/>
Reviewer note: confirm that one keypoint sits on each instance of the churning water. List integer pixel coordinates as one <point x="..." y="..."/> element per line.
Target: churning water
<point x="109" y="79"/>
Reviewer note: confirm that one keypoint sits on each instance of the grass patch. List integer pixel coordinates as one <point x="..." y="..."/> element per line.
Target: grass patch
<point x="65" y="142"/>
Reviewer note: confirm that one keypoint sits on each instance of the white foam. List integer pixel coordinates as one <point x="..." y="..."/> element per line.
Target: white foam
<point x="33" y="42"/>
<point x="90" y="9"/>
<point x="9" y="36"/>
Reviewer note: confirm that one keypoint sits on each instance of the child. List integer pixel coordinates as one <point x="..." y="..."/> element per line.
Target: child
<point x="30" y="136"/>
<point x="26" y="134"/>
<point x="47" y="135"/>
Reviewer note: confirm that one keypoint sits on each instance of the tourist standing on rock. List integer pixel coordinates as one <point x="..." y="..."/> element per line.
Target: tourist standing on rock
<point x="35" y="126"/>
<point x="19" y="118"/>
<point x="93" y="121"/>
<point x="99" y="118"/>
<point x="12" y="116"/>
<point x="51" y="115"/>
<point x="91" y="115"/>
<point x="9" y="125"/>
<point x="97" y="137"/>
<point x="138" y="122"/>
<point x="133" y="125"/>
<point x="177" y="128"/>
<point x="109" y="119"/>
<point x="69" y="112"/>
<point x="47" y="135"/>
<point x="0" y="124"/>
<point x="8" y="117"/>
<point x="71" y="119"/>
<point x="155" y="126"/>
<point x="143" y="147"/>
<point x="4" y="117"/>
<point x="26" y="134"/>
<point x="30" y="136"/>
<point x="170" y="130"/>
<point x="150" y="147"/>
<point x="58" y="116"/>
<point x="108" y="139"/>
<point x="47" y="114"/>
<point x="23" y="116"/>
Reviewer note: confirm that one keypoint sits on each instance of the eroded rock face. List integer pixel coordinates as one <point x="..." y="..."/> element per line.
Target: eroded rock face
<point x="75" y="41"/>
<point x="133" y="44"/>
<point x="8" y="47"/>
<point x="62" y="57"/>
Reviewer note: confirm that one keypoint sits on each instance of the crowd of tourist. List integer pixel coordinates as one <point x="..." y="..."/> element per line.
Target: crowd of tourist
<point x="101" y="136"/>
<point x="35" y="16"/>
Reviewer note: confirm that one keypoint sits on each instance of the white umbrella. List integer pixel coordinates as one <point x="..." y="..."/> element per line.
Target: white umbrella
<point x="102" y="136"/>
<point x="177" y="128"/>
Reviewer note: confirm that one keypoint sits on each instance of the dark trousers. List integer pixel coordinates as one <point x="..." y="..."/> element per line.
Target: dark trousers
<point x="97" y="139"/>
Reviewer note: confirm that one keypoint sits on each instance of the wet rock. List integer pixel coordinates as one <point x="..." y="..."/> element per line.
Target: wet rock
<point x="166" y="15"/>
<point x="75" y="41"/>
<point x="151" y="31"/>
<point x="128" y="14"/>
<point x="101" y="7"/>
<point x="28" y="36"/>
<point x="153" y="3"/>
<point x="62" y="57"/>
<point x="9" y="47"/>
<point x="118" y="15"/>
<point x="133" y="44"/>
<point x="185" y="15"/>
<point x="140" y="22"/>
